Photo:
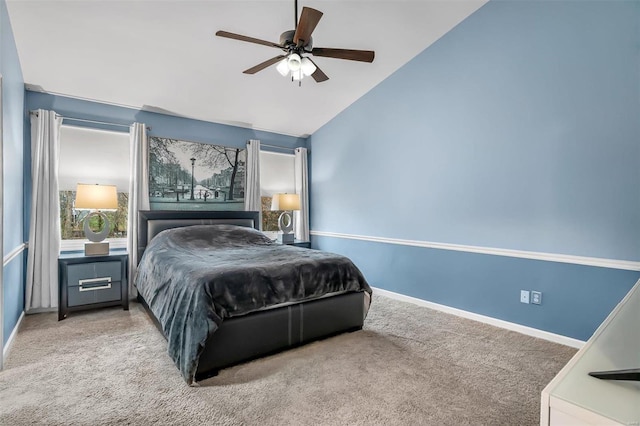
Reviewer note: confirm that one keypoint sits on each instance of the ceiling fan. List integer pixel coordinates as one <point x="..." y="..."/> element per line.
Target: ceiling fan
<point x="296" y="44"/>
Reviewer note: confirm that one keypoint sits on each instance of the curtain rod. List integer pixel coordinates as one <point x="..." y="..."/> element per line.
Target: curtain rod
<point x="89" y="121"/>
<point x="276" y="146"/>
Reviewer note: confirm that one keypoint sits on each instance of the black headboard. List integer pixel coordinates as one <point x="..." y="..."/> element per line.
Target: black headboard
<point x="152" y="222"/>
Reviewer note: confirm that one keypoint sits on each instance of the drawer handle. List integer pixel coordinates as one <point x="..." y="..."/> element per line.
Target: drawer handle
<point x="91" y="284"/>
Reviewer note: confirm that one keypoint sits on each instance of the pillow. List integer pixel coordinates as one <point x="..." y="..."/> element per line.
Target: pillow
<point x="205" y="236"/>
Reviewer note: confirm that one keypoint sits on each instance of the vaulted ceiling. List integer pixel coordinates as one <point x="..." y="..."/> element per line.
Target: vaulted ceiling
<point x="163" y="55"/>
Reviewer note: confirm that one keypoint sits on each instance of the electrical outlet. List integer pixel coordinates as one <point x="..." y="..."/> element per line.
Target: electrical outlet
<point x="524" y="296"/>
<point x="536" y="297"/>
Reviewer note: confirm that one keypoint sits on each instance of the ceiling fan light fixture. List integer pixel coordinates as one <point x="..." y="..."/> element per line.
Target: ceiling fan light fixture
<point x="307" y="66"/>
<point x="297" y="42"/>
<point x="283" y="67"/>
<point x="294" y="62"/>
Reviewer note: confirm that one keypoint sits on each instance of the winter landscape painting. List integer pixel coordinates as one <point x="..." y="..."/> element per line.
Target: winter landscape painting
<point x="195" y="176"/>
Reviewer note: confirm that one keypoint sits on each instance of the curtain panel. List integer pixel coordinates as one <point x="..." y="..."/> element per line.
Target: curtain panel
<point x="252" y="188"/>
<point x="301" y="217"/>
<point x="44" y="222"/>
<point x="138" y="193"/>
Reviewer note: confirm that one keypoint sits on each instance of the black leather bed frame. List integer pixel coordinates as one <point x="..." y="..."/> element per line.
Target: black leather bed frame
<point x="261" y="333"/>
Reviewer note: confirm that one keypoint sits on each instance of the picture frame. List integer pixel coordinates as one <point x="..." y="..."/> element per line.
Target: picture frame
<point x="186" y="175"/>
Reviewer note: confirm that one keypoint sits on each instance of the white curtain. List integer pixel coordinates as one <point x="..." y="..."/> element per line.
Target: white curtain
<point x="138" y="193"/>
<point x="301" y="217"/>
<point x="44" y="223"/>
<point x="252" y="187"/>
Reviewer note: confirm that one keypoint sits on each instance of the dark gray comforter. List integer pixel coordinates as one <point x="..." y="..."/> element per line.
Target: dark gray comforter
<point x="194" y="277"/>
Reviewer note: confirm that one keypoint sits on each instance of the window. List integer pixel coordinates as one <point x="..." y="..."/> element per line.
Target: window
<point x="92" y="156"/>
<point x="277" y="174"/>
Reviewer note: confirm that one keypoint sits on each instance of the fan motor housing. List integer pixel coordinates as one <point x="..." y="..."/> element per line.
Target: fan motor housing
<point x="286" y="40"/>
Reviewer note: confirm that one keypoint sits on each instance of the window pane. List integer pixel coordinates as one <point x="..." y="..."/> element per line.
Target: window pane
<point x="269" y="217"/>
<point x="276" y="176"/>
<point x="72" y="220"/>
<point x="92" y="156"/>
<point x="276" y="173"/>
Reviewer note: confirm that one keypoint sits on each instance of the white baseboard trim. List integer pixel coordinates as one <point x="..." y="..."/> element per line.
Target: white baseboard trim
<point x="12" y="336"/>
<point x="42" y="310"/>
<point x="529" y="331"/>
<point x="627" y="265"/>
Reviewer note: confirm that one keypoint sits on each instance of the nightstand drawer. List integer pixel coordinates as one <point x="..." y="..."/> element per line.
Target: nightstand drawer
<point x="84" y="271"/>
<point x="94" y="290"/>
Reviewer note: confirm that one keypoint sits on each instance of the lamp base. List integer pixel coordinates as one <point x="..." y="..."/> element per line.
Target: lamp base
<point x="285" y="238"/>
<point x="96" y="249"/>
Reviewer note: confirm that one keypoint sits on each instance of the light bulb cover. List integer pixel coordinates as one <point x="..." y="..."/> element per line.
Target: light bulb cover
<point x="283" y="67"/>
<point x="294" y="62"/>
<point x="307" y="66"/>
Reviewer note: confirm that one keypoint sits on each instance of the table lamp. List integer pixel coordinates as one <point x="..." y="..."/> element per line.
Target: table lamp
<point x="286" y="202"/>
<point x="96" y="198"/>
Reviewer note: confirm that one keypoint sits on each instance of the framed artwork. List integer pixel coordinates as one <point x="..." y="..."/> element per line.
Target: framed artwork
<point x="195" y="176"/>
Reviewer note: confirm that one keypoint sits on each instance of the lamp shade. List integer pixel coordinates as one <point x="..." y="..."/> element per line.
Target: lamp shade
<point x="285" y="202"/>
<point x="96" y="197"/>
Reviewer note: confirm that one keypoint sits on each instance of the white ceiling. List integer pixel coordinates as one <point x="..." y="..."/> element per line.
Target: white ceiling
<point x="163" y="55"/>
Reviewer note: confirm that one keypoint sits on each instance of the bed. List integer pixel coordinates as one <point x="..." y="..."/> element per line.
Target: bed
<point x="222" y="293"/>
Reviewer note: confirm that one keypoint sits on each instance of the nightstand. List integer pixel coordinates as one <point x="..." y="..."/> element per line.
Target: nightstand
<point x="88" y="282"/>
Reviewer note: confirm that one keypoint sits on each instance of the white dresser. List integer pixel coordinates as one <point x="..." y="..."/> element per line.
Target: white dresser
<point x="575" y="398"/>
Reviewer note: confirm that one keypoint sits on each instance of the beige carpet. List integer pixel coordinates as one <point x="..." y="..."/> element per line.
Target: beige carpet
<point x="410" y="365"/>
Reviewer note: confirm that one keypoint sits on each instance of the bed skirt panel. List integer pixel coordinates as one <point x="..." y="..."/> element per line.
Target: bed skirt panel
<point x="262" y="333"/>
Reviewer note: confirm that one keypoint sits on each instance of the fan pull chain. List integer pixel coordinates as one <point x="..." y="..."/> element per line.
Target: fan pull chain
<point x="299" y="81"/>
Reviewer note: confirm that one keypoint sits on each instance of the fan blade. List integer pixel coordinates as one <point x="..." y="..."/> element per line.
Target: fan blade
<point x="350" y="54"/>
<point x="263" y="65"/>
<point x="308" y="21"/>
<point x="245" y="38"/>
<point x="318" y="75"/>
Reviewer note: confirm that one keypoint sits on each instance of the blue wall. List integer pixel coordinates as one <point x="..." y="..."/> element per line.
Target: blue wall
<point x="12" y="116"/>
<point x="576" y="298"/>
<point x="519" y="129"/>
<point x="161" y="125"/>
